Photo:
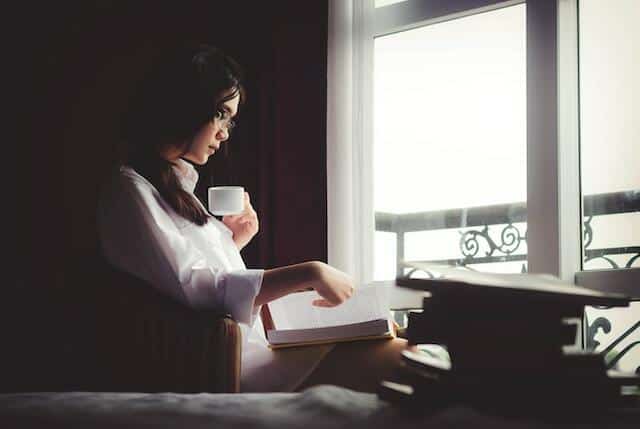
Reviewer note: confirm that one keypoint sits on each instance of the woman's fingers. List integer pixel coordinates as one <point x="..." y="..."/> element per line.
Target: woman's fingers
<point x="247" y="220"/>
<point x="252" y="216"/>
<point x="242" y="218"/>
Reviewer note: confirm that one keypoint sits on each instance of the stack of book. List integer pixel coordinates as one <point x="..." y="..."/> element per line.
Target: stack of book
<point x="512" y="343"/>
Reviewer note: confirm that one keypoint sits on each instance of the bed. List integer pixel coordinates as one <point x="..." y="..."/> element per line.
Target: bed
<point x="317" y="407"/>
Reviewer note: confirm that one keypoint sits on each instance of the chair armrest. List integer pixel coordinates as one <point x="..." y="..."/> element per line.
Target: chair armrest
<point x="148" y="342"/>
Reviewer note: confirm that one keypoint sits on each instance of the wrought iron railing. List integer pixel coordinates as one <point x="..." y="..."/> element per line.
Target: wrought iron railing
<point x="475" y="225"/>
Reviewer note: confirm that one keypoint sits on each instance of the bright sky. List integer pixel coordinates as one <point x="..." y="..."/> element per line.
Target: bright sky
<point x="609" y="93"/>
<point x="450" y="114"/>
<point x="450" y="109"/>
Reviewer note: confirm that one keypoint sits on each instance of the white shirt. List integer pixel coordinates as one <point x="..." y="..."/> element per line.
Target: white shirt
<point x="199" y="266"/>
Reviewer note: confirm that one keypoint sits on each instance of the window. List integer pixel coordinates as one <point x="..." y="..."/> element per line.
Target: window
<point x="609" y="66"/>
<point x="449" y="129"/>
<point x="578" y="130"/>
<point x="609" y="133"/>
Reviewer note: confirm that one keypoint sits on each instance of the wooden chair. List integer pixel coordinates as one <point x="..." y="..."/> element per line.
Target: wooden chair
<point x="148" y="342"/>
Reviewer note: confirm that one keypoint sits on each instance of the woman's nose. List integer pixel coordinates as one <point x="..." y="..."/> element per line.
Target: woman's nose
<point x="223" y="134"/>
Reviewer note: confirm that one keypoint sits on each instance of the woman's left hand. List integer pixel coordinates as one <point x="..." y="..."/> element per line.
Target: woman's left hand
<point x="244" y="225"/>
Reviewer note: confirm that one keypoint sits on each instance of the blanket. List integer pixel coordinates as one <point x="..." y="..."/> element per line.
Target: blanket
<point x="317" y="407"/>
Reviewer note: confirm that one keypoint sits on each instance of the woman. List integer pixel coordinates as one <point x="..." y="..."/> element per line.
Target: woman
<point x="153" y="226"/>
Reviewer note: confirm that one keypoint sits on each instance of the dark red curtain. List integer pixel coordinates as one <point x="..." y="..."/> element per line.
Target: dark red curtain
<point x="73" y="68"/>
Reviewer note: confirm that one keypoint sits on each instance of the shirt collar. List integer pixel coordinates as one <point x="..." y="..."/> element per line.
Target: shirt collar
<point x="187" y="174"/>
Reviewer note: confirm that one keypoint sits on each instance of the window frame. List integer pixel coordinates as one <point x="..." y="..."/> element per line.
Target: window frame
<point x="621" y="280"/>
<point x="554" y="203"/>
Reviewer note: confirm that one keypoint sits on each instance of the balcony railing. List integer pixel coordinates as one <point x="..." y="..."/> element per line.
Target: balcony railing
<point x="474" y="224"/>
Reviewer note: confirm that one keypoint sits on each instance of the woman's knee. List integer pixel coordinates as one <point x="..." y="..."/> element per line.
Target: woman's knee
<point x="359" y="365"/>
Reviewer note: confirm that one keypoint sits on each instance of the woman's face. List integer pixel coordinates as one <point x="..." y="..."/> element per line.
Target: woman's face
<point x="209" y="138"/>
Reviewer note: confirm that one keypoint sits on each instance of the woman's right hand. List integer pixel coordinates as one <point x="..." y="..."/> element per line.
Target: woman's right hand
<point x="334" y="286"/>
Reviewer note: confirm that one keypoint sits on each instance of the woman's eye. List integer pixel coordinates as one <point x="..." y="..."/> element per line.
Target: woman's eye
<point x="219" y="114"/>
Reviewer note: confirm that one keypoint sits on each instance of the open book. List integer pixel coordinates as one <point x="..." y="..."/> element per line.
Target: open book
<point x="296" y="321"/>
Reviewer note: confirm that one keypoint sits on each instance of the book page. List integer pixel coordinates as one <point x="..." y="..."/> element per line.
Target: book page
<point x="296" y="311"/>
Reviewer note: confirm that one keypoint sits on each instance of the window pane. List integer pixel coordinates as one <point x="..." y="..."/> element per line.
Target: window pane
<point x="610" y="132"/>
<point x="450" y="141"/>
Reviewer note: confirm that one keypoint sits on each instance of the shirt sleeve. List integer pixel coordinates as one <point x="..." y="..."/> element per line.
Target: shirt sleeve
<point x="139" y="236"/>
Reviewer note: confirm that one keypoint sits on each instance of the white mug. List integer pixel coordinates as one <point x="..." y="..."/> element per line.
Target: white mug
<point x="226" y="200"/>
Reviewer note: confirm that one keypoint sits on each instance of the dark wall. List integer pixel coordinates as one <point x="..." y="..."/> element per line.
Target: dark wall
<point x="75" y="65"/>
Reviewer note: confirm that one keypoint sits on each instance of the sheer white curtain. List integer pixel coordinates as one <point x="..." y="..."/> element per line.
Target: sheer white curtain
<point x="350" y="214"/>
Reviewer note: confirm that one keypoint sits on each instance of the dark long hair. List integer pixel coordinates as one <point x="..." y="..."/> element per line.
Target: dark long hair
<point x="175" y="99"/>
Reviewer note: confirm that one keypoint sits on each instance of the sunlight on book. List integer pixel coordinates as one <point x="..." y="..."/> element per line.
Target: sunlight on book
<point x="297" y="321"/>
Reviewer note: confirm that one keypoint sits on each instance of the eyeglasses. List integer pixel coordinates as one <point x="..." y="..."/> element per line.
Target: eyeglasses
<point x="225" y="121"/>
